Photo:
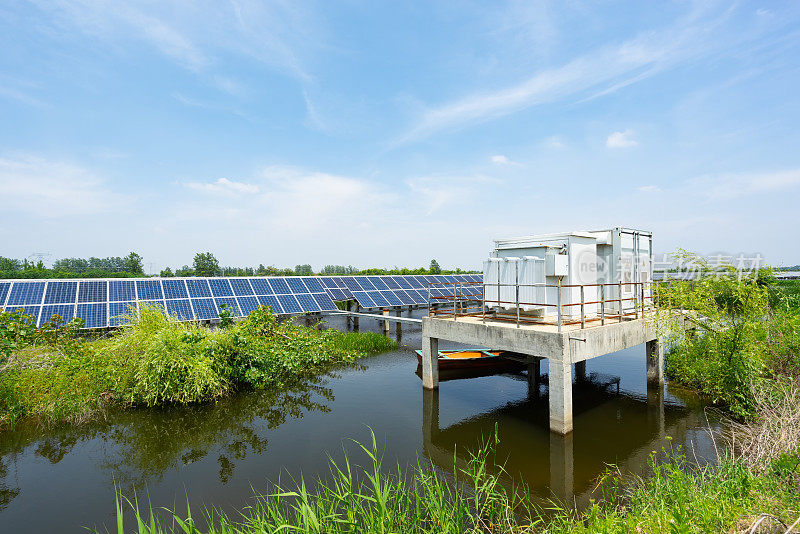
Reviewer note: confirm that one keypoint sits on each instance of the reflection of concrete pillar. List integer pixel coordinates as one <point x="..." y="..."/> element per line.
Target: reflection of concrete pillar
<point x="655" y="363"/>
<point x="430" y="363"/>
<point x="561" y="466"/>
<point x="655" y="408"/>
<point x="560" y="386"/>
<point x="580" y="371"/>
<point x="356" y="308"/>
<point x="398" y="329"/>
<point x="534" y="377"/>
<point x="430" y="416"/>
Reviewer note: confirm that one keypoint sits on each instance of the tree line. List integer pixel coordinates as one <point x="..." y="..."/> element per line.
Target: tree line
<point x="203" y="264"/>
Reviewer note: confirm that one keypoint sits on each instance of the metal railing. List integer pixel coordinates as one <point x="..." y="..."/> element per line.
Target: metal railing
<point x="468" y="299"/>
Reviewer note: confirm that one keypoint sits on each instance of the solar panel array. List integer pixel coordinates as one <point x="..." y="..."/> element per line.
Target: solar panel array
<point x="104" y="303"/>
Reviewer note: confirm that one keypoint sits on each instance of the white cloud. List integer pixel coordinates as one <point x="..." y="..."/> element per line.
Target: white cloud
<point x="500" y="159"/>
<point x="730" y="186"/>
<point x="555" y="142"/>
<point x="600" y="71"/>
<point x="224" y="186"/>
<point x="437" y="192"/>
<point x="621" y="140"/>
<point x="649" y="189"/>
<point x="53" y="189"/>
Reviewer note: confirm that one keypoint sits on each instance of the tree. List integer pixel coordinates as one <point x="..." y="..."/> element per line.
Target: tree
<point x="133" y="264"/>
<point x="304" y="270"/>
<point x="434" y="268"/>
<point x="166" y="273"/>
<point x="205" y="264"/>
<point x="184" y="271"/>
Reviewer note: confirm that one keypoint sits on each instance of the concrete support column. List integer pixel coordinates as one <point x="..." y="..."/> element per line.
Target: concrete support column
<point x="560" y="385"/>
<point x="385" y="325"/>
<point x="655" y="363"/>
<point x="580" y="371"/>
<point x="430" y="365"/>
<point x="562" y="467"/>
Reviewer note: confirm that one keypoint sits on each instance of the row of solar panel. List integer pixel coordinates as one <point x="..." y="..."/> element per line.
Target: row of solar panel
<point x="100" y="302"/>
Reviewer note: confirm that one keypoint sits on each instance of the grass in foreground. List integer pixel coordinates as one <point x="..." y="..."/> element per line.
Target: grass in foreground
<point x="678" y="497"/>
<point x="54" y="375"/>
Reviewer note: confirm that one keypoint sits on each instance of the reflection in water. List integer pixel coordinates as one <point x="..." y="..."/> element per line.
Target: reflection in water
<point x="146" y="443"/>
<point x="609" y="428"/>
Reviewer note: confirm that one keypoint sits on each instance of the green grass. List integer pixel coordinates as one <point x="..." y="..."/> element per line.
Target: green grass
<point x="679" y="497"/>
<point x="157" y="361"/>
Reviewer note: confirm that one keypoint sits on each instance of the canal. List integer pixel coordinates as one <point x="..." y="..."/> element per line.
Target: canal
<point x="63" y="477"/>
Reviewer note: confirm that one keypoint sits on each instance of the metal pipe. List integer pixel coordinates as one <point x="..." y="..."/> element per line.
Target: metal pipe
<point x="516" y="287"/>
<point x="602" y="304"/>
<point x="558" y="304"/>
<point x="583" y="314"/>
<point x="619" y="295"/>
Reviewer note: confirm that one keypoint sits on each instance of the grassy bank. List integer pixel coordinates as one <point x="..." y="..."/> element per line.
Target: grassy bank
<point x="678" y="497"/>
<point x="55" y="375"/>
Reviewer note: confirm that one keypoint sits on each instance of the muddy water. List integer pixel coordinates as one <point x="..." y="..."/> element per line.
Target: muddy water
<point x="63" y="478"/>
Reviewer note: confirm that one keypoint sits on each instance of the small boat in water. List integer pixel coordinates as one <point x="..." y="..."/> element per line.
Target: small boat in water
<point x="470" y="359"/>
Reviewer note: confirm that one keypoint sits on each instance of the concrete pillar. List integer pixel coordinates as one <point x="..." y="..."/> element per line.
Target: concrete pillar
<point x="430" y="364"/>
<point x="580" y="371"/>
<point x="655" y="363"/>
<point x="430" y="415"/>
<point x="385" y="325"/>
<point x="534" y="376"/>
<point x="560" y="386"/>
<point x="562" y="467"/>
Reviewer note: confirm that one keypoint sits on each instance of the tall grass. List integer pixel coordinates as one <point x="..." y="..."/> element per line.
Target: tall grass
<point x="678" y="497"/>
<point x="155" y="361"/>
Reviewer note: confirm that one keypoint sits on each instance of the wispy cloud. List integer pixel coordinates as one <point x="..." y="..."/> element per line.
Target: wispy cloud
<point x="731" y="186"/>
<point x="502" y="160"/>
<point x="622" y="139"/>
<point x="224" y="186"/>
<point x="649" y="189"/>
<point x="53" y="189"/>
<point x="438" y="192"/>
<point x="600" y="71"/>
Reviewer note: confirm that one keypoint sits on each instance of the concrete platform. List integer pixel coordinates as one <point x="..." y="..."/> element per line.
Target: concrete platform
<point x="572" y="345"/>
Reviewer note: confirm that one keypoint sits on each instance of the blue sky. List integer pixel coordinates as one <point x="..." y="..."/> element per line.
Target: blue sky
<point x="390" y="133"/>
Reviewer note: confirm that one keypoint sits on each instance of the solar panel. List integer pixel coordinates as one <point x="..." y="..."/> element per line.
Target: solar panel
<point x="272" y="302"/>
<point x="351" y="284"/>
<point x="289" y="304"/>
<point x="121" y="290"/>
<point x="324" y="301"/>
<point x="279" y="286"/>
<point x="93" y="314"/>
<point x="198" y="288"/>
<point x="404" y="297"/>
<point x="417" y="281"/>
<point x="307" y="302"/>
<point x="4" y="287"/>
<point x="391" y="298"/>
<point x="390" y="282"/>
<point x="180" y="309"/>
<point x="25" y="293"/>
<point x="205" y="309"/>
<point x="59" y="292"/>
<point x="92" y="291"/>
<point x="363" y="299"/>
<point x="377" y="282"/>
<point x="261" y="286"/>
<point x="377" y="298"/>
<point x="328" y="282"/>
<point x="313" y="285"/>
<point x="220" y="287"/>
<point x="152" y="303"/>
<point x="241" y="287"/>
<point x="175" y="289"/>
<point x="366" y="284"/>
<point x="337" y="294"/>
<point x="149" y="290"/>
<point x="247" y="304"/>
<point x="117" y="312"/>
<point x="402" y="282"/>
<point x="65" y="311"/>
<point x="296" y="285"/>
<point x="231" y="303"/>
